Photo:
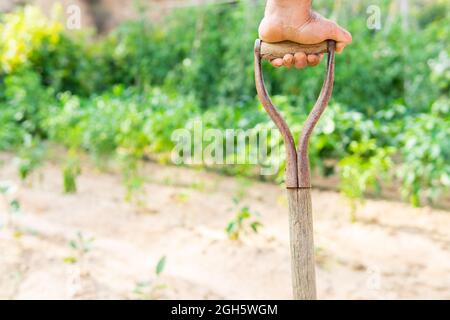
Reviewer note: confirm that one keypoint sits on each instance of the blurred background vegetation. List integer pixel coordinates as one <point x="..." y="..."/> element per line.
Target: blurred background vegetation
<point x="121" y="94"/>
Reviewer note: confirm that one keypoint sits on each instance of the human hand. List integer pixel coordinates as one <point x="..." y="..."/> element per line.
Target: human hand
<point x="295" y="23"/>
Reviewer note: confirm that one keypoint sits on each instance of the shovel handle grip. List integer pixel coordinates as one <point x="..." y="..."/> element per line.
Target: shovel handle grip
<point x="270" y="51"/>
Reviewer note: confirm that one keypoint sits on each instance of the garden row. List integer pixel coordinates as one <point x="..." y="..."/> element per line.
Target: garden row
<point x="123" y="95"/>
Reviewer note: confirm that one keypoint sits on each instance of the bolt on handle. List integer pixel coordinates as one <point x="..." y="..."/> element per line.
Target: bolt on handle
<point x="297" y="163"/>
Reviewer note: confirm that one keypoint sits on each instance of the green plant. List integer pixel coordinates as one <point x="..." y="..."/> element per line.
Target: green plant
<point x="425" y="171"/>
<point x="14" y="207"/>
<point x="160" y="265"/>
<point x="23" y="32"/>
<point x="31" y="155"/>
<point x="151" y="289"/>
<point x="70" y="172"/>
<point x="120" y="97"/>
<point x="363" y="170"/>
<point x="181" y="197"/>
<point x="7" y="189"/>
<point x="80" y="246"/>
<point x="243" y="222"/>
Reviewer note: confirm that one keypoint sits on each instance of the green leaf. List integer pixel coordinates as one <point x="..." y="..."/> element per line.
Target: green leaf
<point x="231" y="227"/>
<point x="244" y="214"/>
<point x="14" y="205"/>
<point x="255" y="226"/>
<point x="73" y="244"/>
<point x="160" y="265"/>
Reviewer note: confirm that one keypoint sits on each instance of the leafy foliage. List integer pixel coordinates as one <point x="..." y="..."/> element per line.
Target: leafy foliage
<point x="362" y="170"/>
<point x="123" y="95"/>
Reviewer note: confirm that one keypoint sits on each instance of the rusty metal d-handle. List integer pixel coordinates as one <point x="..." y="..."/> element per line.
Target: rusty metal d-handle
<point x="298" y="180"/>
<point x="297" y="163"/>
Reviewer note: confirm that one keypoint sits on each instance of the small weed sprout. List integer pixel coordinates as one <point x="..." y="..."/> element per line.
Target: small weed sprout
<point x="71" y="171"/>
<point x="80" y="246"/>
<point x="31" y="155"/>
<point x="182" y="197"/>
<point x="80" y="277"/>
<point x="14" y="207"/>
<point x="151" y="289"/>
<point x="243" y="222"/>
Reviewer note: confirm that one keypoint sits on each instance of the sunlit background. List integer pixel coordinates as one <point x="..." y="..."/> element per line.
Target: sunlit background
<point x="91" y="205"/>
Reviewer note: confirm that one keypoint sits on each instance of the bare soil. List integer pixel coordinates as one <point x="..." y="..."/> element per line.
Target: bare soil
<point x="392" y="251"/>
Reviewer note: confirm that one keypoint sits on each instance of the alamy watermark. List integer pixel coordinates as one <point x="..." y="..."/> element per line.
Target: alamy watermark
<point x="211" y="146"/>
<point x="73" y="21"/>
<point x="374" y="19"/>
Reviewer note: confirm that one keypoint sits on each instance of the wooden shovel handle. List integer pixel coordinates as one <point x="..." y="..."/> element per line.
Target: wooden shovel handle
<point x="297" y="164"/>
<point x="270" y="51"/>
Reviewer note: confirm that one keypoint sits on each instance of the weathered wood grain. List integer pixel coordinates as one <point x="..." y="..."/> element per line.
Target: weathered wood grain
<point x="302" y="244"/>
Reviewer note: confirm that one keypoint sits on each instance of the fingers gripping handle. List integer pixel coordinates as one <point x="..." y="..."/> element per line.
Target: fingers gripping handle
<point x="297" y="166"/>
<point x="270" y="51"/>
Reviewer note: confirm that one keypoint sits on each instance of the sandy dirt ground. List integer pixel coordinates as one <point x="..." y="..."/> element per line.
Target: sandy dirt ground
<point x="393" y="251"/>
